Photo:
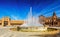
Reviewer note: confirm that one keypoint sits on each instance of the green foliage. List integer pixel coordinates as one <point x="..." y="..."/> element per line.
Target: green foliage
<point x="18" y="28"/>
<point x="51" y="29"/>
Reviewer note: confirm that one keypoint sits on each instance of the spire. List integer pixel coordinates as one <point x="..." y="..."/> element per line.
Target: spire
<point x="54" y="14"/>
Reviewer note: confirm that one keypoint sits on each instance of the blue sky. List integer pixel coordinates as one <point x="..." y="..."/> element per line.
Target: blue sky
<point x="18" y="9"/>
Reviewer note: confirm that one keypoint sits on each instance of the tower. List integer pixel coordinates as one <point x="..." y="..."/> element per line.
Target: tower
<point x="6" y="21"/>
<point x="54" y="19"/>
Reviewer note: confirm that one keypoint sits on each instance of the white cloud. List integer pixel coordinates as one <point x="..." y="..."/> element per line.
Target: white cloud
<point x="14" y="17"/>
<point x="48" y="9"/>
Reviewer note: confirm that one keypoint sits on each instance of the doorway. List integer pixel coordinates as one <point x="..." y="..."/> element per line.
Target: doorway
<point x="5" y="23"/>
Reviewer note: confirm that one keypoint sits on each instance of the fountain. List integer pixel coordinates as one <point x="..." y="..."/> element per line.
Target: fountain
<point x="31" y="20"/>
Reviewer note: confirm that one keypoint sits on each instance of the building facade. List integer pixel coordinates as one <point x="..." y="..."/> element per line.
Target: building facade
<point x="6" y="21"/>
<point x="50" y="21"/>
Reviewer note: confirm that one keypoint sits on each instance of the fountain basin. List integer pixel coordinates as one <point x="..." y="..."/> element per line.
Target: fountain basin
<point x="48" y="31"/>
